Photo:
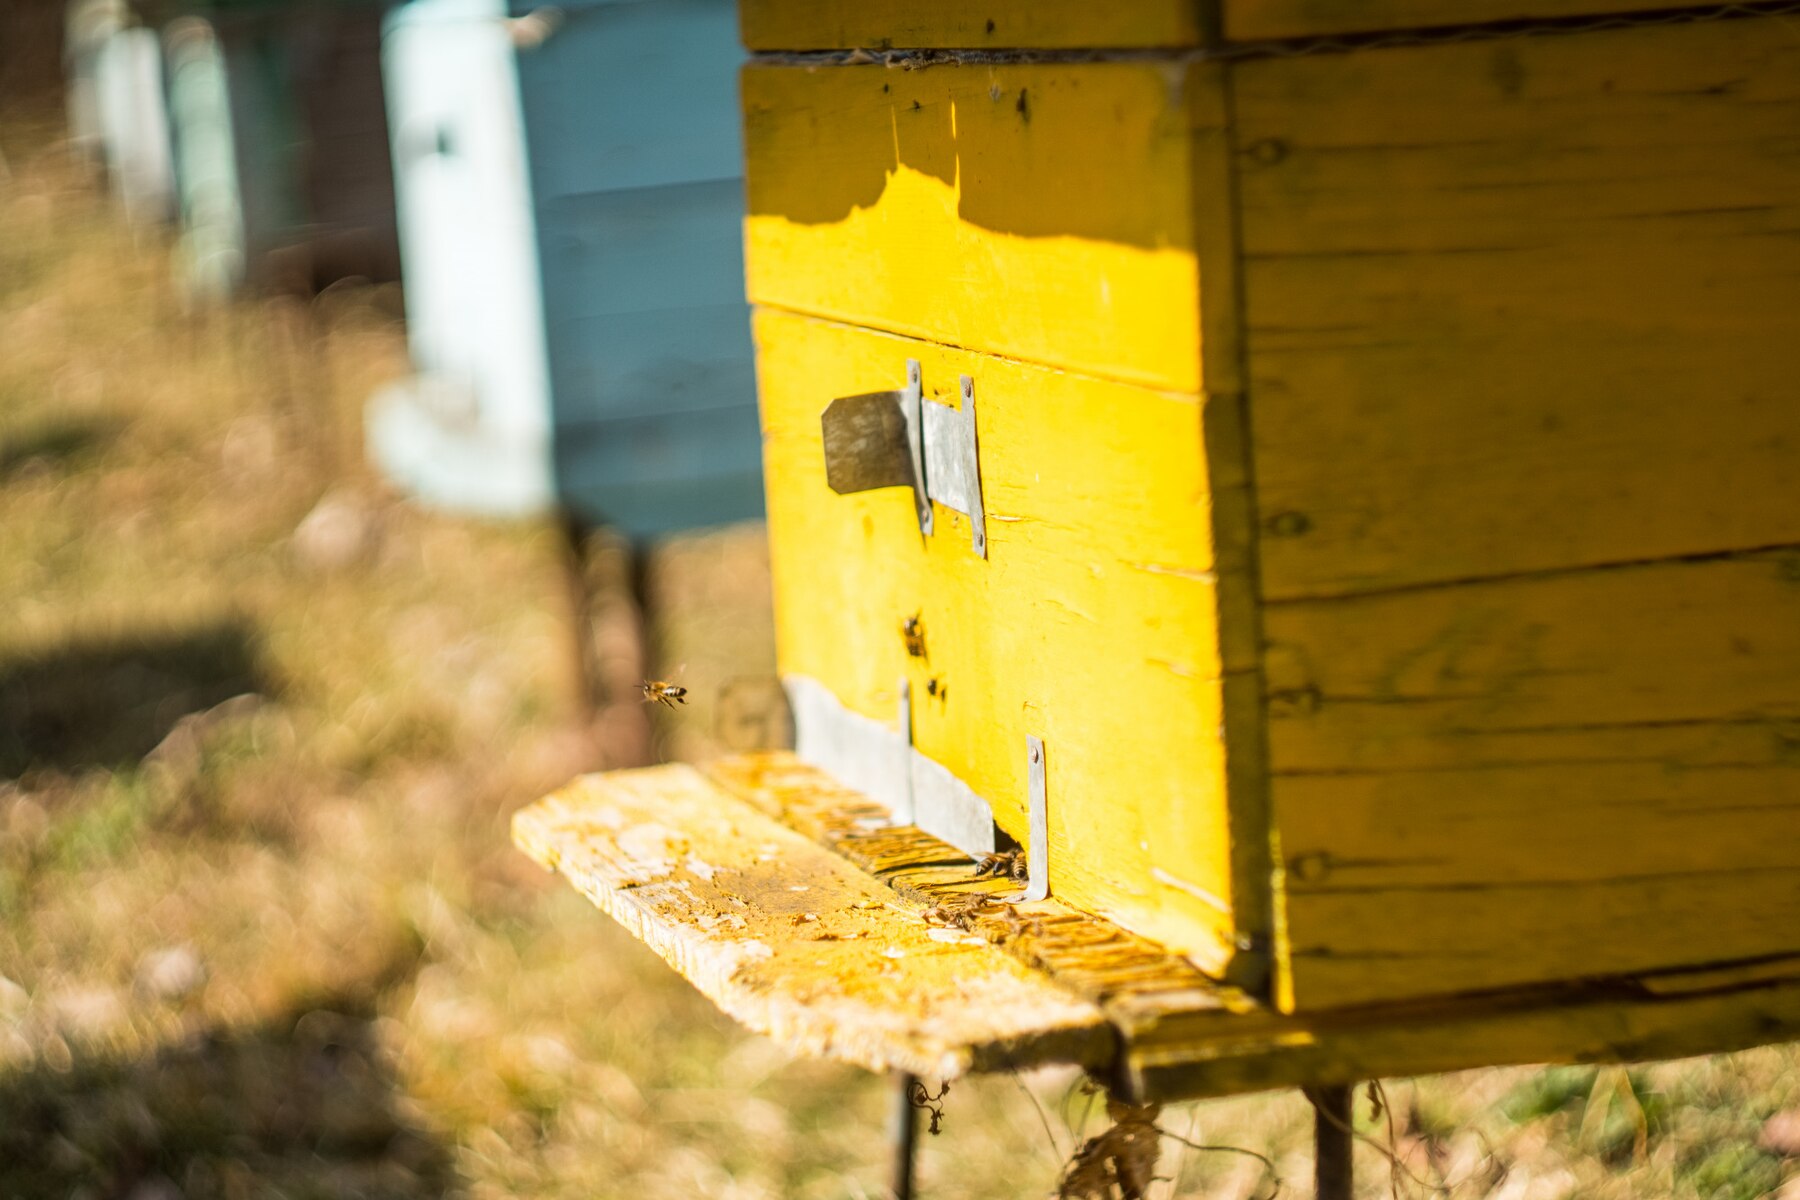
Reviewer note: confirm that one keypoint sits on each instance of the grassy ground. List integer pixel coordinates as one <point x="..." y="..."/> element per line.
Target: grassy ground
<point x="261" y="725"/>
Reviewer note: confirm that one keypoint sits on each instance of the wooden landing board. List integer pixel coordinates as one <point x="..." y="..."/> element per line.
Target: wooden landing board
<point x="725" y="838"/>
<point x="792" y="940"/>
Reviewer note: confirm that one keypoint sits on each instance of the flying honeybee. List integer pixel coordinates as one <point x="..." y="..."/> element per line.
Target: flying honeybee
<point x="666" y="694"/>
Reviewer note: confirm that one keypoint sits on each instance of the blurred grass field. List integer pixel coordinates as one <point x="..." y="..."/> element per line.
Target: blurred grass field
<point x="261" y="931"/>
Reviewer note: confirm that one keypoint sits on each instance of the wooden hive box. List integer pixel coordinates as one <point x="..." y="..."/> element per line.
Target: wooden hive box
<point x="280" y="144"/>
<point x="1318" y="475"/>
<point x="1387" y="456"/>
<point x="571" y="189"/>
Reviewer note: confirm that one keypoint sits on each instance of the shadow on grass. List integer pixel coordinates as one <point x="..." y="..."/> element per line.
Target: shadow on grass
<point x="301" y="1107"/>
<point x="108" y="703"/>
<point x="53" y="444"/>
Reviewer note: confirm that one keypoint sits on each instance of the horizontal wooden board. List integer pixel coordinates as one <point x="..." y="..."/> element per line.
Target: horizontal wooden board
<point x="1538" y="779"/>
<point x="1135" y="980"/>
<point x="1091" y="623"/>
<point x="1184" y="1036"/>
<point x="708" y="870"/>
<point x="1258" y="20"/>
<point x="1521" y="305"/>
<point x="1040" y="211"/>
<point x="1036" y="24"/>
<point x="1220" y="1054"/>
<point x="793" y="941"/>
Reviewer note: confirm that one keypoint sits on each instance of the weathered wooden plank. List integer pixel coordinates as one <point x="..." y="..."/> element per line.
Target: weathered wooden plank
<point x="1090" y="622"/>
<point x="1552" y="777"/>
<point x="1181" y="1035"/>
<point x="1132" y="978"/>
<point x="1218" y="1055"/>
<point x="1535" y="321"/>
<point x="1011" y="24"/>
<point x="1398" y="679"/>
<point x="793" y="941"/>
<point x="1258" y="20"/>
<point x="1386" y="942"/>
<point x="1040" y="211"/>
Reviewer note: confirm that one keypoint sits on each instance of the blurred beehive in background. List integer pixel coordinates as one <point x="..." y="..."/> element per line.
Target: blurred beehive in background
<point x="281" y="146"/>
<point x="1322" y="486"/>
<point x="571" y="198"/>
<point x="87" y="26"/>
<point x="117" y="110"/>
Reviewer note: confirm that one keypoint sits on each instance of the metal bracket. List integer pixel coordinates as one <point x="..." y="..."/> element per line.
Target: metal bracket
<point x="900" y="439"/>
<point x="903" y="807"/>
<point x="1037" y="849"/>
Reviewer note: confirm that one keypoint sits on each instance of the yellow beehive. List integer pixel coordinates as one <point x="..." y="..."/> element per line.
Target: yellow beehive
<point x="1323" y="476"/>
<point x="1388" y="455"/>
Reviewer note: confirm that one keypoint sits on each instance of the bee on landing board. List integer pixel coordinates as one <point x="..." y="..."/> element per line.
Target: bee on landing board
<point x="1004" y="865"/>
<point x="666" y="694"/>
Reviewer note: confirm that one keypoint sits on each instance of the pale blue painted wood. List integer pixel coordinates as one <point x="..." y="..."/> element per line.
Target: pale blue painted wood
<point x="471" y="430"/>
<point x="134" y="123"/>
<point x="212" y="249"/>
<point x="632" y="133"/>
<point x="633" y="189"/>
<point x="280" y="144"/>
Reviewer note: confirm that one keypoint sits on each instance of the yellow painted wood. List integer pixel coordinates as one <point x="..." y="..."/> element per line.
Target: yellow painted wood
<point x="1135" y="980"/>
<point x="723" y="872"/>
<point x="1521" y="305"/>
<point x="1091" y="623"/>
<point x="1036" y="24"/>
<point x="1222" y="1054"/>
<point x="1538" y="779"/>
<point x="794" y="942"/>
<point x="1185" y="1036"/>
<point x="1038" y="211"/>
<point x="1256" y="20"/>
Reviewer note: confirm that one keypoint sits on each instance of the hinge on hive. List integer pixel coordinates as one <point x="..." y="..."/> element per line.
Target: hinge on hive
<point x="900" y="439"/>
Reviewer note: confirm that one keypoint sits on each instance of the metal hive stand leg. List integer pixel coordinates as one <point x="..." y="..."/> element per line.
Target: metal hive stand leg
<point x="903" y="1136"/>
<point x="1333" y="1146"/>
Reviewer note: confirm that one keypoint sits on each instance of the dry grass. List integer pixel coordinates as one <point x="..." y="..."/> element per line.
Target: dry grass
<point x="261" y="933"/>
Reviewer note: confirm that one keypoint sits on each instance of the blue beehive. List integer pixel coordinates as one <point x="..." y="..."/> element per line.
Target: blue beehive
<point x="571" y="205"/>
<point x="122" y="96"/>
<point x="281" y="144"/>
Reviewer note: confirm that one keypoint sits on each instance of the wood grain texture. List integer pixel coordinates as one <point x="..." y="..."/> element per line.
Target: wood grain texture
<point x="1521" y="305"/>
<point x="1036" y="24"/>
<point x="1136" y="981"/>
<point x="708" y="865"/>
<point x="1091" y="623"/>
<point x="1184" y="1036"/>
<point x="1258" y="20"/>
<point x="1219" y="1055"/>
<point x="1037" y="211"/>
<point x="1545" y="778"/>
<point x="794" y="942"/>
